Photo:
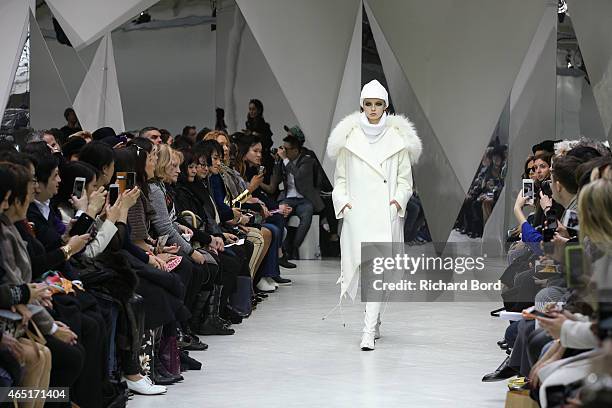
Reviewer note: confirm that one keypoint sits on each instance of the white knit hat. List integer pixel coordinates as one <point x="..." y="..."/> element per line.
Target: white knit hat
<point x="374" y="90"/>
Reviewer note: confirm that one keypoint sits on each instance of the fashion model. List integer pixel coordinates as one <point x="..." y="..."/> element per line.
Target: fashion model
<point x="374" y="154"/>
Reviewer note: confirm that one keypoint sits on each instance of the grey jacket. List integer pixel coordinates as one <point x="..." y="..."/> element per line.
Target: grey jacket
<point x="307" y="180"/>
<point x="16" y="262"/>
<point x="164" y="222"/>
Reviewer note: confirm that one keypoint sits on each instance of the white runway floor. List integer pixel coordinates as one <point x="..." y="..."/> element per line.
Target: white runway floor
<point x="431" y="355"/>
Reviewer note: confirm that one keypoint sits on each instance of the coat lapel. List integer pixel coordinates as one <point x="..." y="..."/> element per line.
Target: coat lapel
<point x="389" y="145"/>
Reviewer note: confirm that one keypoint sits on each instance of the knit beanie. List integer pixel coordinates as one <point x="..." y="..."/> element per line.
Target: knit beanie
<point x="374" y="90"/>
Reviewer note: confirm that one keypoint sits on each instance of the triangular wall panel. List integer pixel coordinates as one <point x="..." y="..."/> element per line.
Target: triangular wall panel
<point x="84" y="21"/>
<point x="532" y="118"/>
<point x="441" y="200"/>
<point x="48" y="93"/>
<point x="98" y="102"/>
<point x="592" y="22"/>
<point x="461" y="58"/>
<point x="13" y="31"/>
<point x="306" y="45"/>
<point x="350" y="89"/>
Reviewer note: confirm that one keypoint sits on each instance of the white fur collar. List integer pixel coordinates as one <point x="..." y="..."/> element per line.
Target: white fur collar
<point x="338" y="137"/>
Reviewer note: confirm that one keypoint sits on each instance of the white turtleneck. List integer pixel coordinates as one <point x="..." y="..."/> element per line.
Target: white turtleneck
<point x="373" y="131"/>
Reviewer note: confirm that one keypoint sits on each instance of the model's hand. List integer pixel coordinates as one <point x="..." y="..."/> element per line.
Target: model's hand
<point x="399" y="207"/>
<point x="348" y="205"/>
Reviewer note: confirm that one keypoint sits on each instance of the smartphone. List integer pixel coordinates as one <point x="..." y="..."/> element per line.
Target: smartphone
<point x="545" y="270"/>
<point x="130" y="181"/>
<point x="531" y="313"/>
<point x="78" y="187"/>
<point x="575" y="267"/>
<point x="262" y="170"/>
<point x="570" y="220"/>
<point x="113" y="193"/>
<point x="161" y="243"/>
<point x="121" y="180"/>
<point x="528" y="189"/>
<point x="82" y="226"/>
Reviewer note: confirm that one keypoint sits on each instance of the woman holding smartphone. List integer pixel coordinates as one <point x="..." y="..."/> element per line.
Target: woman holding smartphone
<point x="374" y="154"/>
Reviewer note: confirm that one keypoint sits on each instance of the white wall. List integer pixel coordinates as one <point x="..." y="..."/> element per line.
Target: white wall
<point x="166" y="77"/>
<point x="253" y="79"/>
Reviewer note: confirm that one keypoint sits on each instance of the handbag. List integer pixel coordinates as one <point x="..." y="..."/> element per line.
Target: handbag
<point x="11" y="322"/>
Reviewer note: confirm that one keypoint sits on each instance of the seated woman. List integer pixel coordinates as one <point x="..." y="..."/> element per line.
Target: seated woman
<point x="35" y="358"/>
<point x="164" y="223"/>
<point x="91" y="202"/>
<point x="162" y="292"/>
<point x="269" y="269"/>
<point x="191" y="194"/>
<point x="234" y="185"/>
<point x="248" y="164"/>
<point x="67" y="354"/>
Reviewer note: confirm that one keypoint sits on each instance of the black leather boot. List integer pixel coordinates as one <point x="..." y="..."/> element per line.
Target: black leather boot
<point x="212" y="324"/>
<point x="197" y="314"/>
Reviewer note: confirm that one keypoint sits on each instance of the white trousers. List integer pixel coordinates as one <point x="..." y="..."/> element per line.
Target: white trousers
<point x="372" y="316"/>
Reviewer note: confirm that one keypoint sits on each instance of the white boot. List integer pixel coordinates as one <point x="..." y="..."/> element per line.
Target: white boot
<point x="377" y="330"/>
<point x="370" y="325"/>
<point x="367" y="342"/>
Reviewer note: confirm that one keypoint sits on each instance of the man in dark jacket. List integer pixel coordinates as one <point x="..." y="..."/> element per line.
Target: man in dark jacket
<point x="301" y="181"/>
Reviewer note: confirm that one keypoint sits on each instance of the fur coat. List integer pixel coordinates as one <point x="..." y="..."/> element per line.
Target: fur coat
<point x="369" y="176"/>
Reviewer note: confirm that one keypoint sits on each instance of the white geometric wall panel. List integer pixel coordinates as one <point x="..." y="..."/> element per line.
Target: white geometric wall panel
<point x="461" y="58"/>
<point x="84" y="21"/>
<point x="13" y="31"/>
<point x="306" y="44"/>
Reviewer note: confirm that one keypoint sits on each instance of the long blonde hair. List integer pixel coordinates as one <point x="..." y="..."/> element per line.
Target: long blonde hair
<point x="595" y="212"/>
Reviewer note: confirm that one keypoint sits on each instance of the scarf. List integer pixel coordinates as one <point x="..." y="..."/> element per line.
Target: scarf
<point x="373" y="131"/>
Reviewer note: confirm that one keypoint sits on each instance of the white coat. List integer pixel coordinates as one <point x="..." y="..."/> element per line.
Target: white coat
<point x="369" y="176"/>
